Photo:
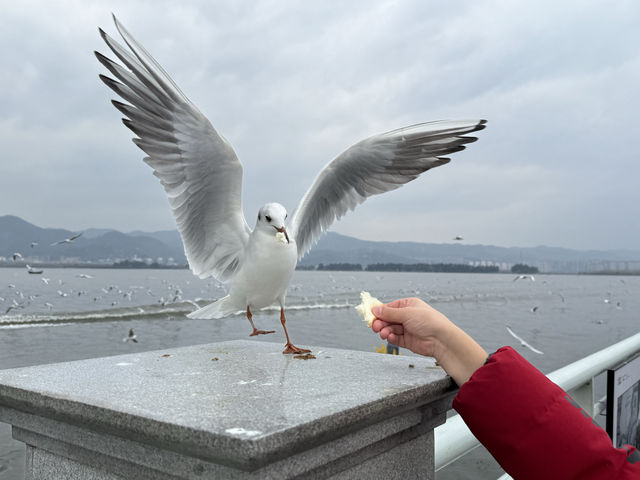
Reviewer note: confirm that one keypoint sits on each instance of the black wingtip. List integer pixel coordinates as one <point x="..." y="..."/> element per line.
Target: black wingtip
<point x="122" y="107"/>
<point x="129" y="124"/>
<point x="482" y="124"/>
<point x="108" y="81"/>
<point x="101" y="58"/>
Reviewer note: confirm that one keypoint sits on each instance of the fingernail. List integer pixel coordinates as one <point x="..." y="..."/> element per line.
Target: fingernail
<point x="377" y="310"/>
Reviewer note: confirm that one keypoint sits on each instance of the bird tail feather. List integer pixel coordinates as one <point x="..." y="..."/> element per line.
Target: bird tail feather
<point x="218" y="309"/>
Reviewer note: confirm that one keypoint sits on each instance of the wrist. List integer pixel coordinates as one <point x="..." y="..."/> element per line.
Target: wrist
<point x="458" y="354"/>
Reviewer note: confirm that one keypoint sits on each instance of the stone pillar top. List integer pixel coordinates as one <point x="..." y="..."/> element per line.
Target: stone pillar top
<point x="240" y="403"/>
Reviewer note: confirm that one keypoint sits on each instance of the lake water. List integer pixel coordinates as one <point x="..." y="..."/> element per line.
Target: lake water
<point x="84" y="313"/>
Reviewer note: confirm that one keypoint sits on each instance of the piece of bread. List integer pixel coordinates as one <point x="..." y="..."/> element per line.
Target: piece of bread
<point x="281" y="237"/>
<point x="364" y="309"/>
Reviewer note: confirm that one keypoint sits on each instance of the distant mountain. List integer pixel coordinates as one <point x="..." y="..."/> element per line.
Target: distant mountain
<point x="95" y="245"/>
<point x="108" y="246"/>
<point x="336" y="248"/>
<point x="169" y="237"/>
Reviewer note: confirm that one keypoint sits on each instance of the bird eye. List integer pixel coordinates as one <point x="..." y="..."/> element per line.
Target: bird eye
<point x="268" y="218"/>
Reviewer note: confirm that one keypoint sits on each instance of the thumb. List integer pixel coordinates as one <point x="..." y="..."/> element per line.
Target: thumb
<point x="389" y="314"/>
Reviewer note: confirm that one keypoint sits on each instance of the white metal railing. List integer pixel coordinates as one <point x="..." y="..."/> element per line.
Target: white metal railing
<point x="453" y="439"/>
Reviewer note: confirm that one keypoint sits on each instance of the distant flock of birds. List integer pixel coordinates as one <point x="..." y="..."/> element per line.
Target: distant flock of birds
<point x="177" y="294"/>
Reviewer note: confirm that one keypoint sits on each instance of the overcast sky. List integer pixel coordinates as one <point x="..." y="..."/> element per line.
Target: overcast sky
<point x="292" y="84"/>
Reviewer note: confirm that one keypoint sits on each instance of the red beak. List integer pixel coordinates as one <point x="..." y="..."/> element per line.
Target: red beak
<point x="282" y="230"/>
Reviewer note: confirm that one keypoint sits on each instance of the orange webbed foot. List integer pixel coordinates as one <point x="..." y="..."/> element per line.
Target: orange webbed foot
<point x="291" y="348"/>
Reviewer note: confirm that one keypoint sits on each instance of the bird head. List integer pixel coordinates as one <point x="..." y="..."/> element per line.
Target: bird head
<point x="271" y="218"/>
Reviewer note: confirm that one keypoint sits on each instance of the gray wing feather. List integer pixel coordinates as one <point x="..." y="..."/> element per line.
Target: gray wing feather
<point x="375" y="165"/>
<point x="196" y="166"/>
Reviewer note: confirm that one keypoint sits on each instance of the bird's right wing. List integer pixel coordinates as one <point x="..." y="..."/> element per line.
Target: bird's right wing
<point x="197" y="167"/>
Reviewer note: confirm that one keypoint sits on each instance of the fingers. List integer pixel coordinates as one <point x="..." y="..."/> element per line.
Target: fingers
<point x="387" y="329"/>
<point x="378" y="325"/>
<point x="397" y="340"/>
<point x="394" y="312"/>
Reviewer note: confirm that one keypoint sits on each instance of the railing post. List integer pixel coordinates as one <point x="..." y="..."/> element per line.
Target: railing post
<point x="583" y="396"/>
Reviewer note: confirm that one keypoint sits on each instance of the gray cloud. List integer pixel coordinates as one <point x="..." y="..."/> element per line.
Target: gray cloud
<point x="291" y="85"/>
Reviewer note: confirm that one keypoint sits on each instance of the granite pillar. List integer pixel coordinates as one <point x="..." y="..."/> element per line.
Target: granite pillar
<point x="238" y="410"/>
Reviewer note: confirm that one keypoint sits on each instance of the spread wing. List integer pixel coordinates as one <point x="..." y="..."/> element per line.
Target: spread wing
<point x="196" y="166"/>
<point x="375" y="165"/>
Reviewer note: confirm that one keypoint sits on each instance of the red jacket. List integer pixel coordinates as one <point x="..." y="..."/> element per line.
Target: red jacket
<point x="534" y="429"/>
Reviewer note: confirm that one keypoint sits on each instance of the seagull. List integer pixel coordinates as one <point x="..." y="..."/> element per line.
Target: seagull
<point x="132" y="337"/>
<point x="202" y="177"/>
<point x="31" y="269"/>
<point x="523" y="343"/>
<point x="458" y="238"/>
<point x="34" y="244"/>
<point x="67" y="240"/>
<point x="524" y="277"/>
<point x="16" y="256"/>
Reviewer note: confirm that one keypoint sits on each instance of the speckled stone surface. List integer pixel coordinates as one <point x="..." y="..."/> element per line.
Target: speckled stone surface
<point x="237" y="406"/>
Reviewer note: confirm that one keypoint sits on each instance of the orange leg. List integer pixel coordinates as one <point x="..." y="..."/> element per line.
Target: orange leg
<point x="289" y="347"/>
<point x="255" y="330"/>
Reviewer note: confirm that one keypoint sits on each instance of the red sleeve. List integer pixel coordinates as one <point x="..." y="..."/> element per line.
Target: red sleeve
<point x="534" y="429"/>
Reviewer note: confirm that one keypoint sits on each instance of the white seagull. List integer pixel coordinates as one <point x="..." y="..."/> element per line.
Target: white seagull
<point x="525" y="277"/>
<point x="523" y="343"/>
<point x="203" y="178"/>
<point x="67" y="240"/>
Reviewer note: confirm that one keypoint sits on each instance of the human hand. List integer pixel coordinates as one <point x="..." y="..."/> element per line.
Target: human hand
<point x="409" y="323"/>
<point x="412" y="323"/>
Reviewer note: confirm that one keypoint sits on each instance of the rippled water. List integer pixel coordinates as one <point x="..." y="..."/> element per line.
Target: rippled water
<point x="82" y="313"/>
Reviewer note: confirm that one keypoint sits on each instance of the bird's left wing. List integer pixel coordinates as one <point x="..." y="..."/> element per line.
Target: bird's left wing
<point x="197" y="167"/>
<point x="375" y="165"/>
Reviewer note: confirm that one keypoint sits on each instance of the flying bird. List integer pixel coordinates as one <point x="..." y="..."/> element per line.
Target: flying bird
<point x="202" y="177"/>
<point x="16" y="256"/>
<point x="525" y="277"/>
<point x="524" y="343"/>
<point x="132" y="337"/>
<point x="458" y="238"/>
<point x="67" y="240"/>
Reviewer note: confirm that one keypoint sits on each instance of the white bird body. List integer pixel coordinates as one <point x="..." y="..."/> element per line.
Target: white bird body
<point x="264" y="275"/>
<point x="202" y="177"/>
